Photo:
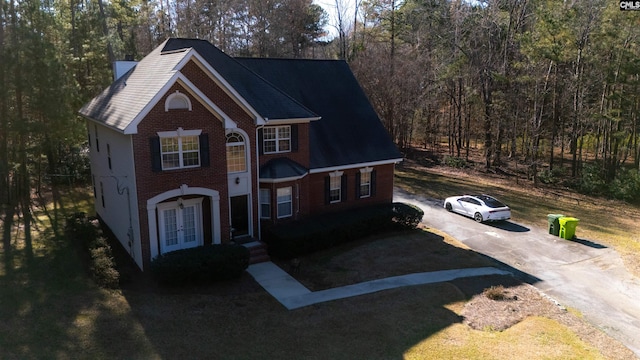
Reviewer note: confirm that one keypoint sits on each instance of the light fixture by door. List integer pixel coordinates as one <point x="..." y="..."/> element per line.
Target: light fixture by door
<point x="237" y="180"/>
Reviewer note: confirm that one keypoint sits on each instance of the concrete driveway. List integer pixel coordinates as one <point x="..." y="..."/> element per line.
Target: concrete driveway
<point x="580" y="274"/>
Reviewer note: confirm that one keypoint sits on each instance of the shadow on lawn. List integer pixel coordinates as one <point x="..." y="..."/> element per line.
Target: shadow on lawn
<point x="240" y="320"/>
<point x="49" y="306"/>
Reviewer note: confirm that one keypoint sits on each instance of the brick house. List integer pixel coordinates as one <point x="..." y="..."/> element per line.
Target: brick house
<point x="191" y="147"/>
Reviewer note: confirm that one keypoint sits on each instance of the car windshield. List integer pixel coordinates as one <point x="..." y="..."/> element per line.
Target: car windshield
<point x="491" y="202"/>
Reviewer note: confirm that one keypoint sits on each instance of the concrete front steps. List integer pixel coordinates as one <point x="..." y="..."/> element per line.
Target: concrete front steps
<point x="257" y="252"/>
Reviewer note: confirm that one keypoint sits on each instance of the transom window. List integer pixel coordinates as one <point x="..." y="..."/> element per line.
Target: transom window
<point x="277" y="139"/>
<point x="285" y="202"/>
<point x="180" y="149"/>
<point x="236" y="158"/>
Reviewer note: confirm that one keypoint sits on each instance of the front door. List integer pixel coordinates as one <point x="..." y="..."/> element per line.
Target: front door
<point x="180" y="224"/>
<point x="240" y="215"/>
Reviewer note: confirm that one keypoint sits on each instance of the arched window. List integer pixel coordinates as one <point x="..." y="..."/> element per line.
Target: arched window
<point x="177" y="101"/>
<point x="236" y="157"/>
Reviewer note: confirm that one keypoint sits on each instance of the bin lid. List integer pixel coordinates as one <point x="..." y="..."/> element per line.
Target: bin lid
<point x="554" y="216"/>
<point x="567" y="219"/>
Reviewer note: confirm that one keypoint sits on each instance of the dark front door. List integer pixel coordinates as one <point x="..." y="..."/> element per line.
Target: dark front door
<point x="240" y="215"/>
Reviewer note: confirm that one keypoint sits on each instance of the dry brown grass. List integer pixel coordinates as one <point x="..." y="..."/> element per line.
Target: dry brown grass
<point x="50" y="310"/>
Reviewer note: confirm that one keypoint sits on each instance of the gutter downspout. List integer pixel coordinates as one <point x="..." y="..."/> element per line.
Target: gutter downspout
<point x="258" y="182"/>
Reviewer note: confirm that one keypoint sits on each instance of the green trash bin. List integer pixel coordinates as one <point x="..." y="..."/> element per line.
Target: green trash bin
<point x="568" y="227"/>
<point x="554" y="224"/>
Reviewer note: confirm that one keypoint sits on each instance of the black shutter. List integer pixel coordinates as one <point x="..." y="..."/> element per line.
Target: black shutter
<point x="204" y="150"/>
<point x="358" y="185"/>
<point x="373" y="183"/>
<point x="260" y="142"/>
<point x="327" y="190"/>
<point x="294" y="137"/>
<point x="343" y="188"/>
<point x="156" y="157"/>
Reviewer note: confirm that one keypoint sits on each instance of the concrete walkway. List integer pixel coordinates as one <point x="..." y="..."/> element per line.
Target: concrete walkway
<point x="293" y="295"/>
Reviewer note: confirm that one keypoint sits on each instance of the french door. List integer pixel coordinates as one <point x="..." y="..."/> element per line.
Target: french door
<point x="180" y="224"/>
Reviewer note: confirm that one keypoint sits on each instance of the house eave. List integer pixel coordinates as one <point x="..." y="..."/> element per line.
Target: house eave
<point x="357" y="165"/>
<point x="291" y="121"/>
<point x="281" y="180"/>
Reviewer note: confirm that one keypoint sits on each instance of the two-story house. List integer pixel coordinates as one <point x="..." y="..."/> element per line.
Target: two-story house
<point x="191" y="147"/>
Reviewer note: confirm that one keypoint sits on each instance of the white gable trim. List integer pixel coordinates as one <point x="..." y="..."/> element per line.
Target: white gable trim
<point x="351" y="166"/>
<point x="191" y="88"/>
<point x="178" y="77"/>
<point x="218" y="79"/>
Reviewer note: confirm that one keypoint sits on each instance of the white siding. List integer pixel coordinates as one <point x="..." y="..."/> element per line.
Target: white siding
<point x="119" y="185"/>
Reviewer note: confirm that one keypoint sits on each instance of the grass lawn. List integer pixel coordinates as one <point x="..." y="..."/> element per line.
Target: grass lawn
<point x="50" y="309"/>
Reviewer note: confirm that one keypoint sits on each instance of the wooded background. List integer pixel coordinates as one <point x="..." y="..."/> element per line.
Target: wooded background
<point x="514" y="78"/>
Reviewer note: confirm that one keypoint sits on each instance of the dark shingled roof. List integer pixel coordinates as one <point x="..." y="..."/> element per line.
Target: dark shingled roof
<point x="267" y="100"/>
<point x="282" y="168"/>
<point x="349" y="131"/>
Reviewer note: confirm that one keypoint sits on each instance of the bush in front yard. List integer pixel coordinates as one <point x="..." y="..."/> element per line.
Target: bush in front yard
<point x="325" y="231"/>
<point x="89" y="240"/>
<point x="407" y="216"/>
<point x="201" y="264"/>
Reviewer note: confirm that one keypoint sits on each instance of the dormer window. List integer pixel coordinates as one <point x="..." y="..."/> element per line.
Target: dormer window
<point x="177" y="101"/>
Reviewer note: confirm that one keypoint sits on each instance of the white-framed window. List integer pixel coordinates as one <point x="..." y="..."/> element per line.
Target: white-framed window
<point x="276" y="139"/>
<point x="285" y="202"/>
<point x="177" y="101"/>
<point x="365" y="182"/>
<point x="265" y="203"/>
<point x="236" y="155"/>
<point x="335" y="187"/>
<point x="180" y="149"/>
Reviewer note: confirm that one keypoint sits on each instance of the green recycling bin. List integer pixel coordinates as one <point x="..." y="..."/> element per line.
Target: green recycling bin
<point x="568" y="227"/>
<point x="554" y="224"/>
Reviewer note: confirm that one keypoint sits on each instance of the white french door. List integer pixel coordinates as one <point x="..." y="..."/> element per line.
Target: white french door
<point x="180" y="224"/>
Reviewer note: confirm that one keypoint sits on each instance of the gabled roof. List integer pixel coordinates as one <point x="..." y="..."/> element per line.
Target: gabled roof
<point x="269" y="101"/>
<point x="127" y="100"/>
<point x="349" y="131"/>
<point x="119" y="104"/>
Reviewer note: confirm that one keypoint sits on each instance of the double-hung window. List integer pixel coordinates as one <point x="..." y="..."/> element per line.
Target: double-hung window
<point x="276" y="139"/>
<point x="335" y="188"/>
<point x="365" y="182"/>
<point x="285" y="202"/>
<point x="180" y="149"/>
<point x="265" y="203"/>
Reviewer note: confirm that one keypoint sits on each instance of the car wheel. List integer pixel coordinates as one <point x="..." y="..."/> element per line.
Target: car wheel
<point x="448" y="206"/>
<point x="478" y="217"/>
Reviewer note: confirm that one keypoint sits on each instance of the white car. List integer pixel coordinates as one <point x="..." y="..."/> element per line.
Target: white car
<point x="479" y="207"/>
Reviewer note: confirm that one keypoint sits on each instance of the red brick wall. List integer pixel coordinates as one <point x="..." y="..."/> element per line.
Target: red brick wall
<point x="301" y="156"/>
<point x="150" y="184"/>
<point x="384" y="190"/>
